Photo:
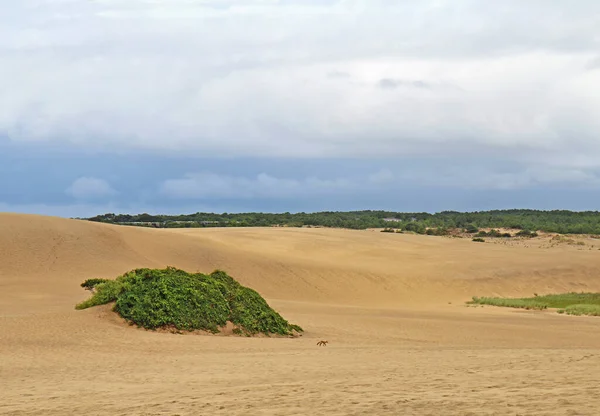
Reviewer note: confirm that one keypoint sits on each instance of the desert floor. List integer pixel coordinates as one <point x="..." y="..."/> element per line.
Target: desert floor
<point x="392" y="306"/>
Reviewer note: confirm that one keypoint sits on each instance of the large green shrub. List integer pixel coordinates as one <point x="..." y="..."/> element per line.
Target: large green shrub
<point x="159" y="298"/>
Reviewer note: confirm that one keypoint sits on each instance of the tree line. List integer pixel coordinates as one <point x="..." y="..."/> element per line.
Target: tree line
<point x="559" y="221"/>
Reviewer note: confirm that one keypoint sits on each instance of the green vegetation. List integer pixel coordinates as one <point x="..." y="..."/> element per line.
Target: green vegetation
<point x="526" y="233"/>
<point x="173" y="298"/>
<point x="563" y="222"/>
<point x="92" y="283"/>
<point x="436" y="231"/>
<point x="510" y="303"/>
<point x="570" y="303"/>
<point x="591" y="310"/>
<point x="479" y="240"/>
<point x="471" y="229"/>
<point x="493" y="233"/>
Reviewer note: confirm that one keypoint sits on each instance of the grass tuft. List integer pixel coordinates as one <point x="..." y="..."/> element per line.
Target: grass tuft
<point x="173" y="298"/>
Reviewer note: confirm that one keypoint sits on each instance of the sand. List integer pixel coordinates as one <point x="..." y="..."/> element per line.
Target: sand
<point x="401" y="340"/>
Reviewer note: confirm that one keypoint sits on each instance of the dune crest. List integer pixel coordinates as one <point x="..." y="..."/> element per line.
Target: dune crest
<point x="50" y="256"/>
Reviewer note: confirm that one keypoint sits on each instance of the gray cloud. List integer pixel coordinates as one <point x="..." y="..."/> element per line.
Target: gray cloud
<point x="593" y="63"/>
<point x="246" y="78"/>
<point x="338" y="74"/>
<point x="390" y="83"/>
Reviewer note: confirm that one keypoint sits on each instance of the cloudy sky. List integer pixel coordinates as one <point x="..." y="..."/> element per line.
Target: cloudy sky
<point x="298" y="105"/>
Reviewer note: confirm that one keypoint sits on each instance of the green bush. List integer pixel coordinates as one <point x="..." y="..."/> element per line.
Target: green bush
<point x="162" y="298"/>
<point x="479" y="240"/>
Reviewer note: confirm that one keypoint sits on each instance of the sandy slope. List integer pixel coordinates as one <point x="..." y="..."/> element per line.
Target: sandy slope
<point x="391" y="305"/>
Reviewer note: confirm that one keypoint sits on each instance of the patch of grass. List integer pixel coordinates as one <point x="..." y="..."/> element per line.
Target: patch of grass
<point x="583" y="309"/>
<point x="173" y="298"/>
<point x="563" y="300"/>
<point x="570" y="303"/>
<point x="479" y="240"/>
<point x="510" y="303"/>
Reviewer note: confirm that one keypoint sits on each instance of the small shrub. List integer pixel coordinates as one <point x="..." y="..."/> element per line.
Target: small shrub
<point x="527" y="233"/>
<point x="479" y="240"/>
<point x="471" y="229"/>
<point x="494" y="233"/>
<point x="388" y="230"/>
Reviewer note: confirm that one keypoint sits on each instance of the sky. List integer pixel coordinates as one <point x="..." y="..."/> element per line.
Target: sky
<point x="182" y="106"/>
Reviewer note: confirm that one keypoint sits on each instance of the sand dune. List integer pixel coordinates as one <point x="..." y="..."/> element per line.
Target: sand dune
<point x="391" y="305"/>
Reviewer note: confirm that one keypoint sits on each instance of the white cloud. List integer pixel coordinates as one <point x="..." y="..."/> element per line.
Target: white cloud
<point x="303" y="79"/>
<point x="85" y="188"/>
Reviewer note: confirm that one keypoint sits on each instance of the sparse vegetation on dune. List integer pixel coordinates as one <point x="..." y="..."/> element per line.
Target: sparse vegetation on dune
<point x="509" y="303"/>
<point x="570" y="303"/>
<point x="173" y="298"/>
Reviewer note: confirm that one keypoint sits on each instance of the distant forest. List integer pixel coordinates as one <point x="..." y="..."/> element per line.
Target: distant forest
<point x="564" y="222"/>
